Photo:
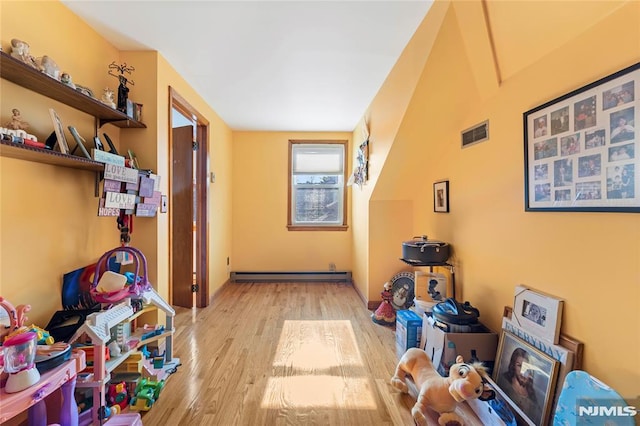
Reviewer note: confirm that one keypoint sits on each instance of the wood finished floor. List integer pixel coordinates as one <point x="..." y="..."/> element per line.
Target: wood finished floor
<point x="282" y="354"/>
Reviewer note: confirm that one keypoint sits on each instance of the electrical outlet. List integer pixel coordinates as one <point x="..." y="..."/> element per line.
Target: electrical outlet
<point x="332" y="267"/>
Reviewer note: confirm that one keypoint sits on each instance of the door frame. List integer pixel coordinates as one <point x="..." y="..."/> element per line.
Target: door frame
<point x="202" y="188"/>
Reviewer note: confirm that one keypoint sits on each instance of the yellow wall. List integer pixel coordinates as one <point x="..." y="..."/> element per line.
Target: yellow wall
<point x="261" y="241"/>
<point x="589" y="259"/>
<point x="220" y="154"/>
<point x="48" y="223"/>
<point x="382" y="119"/>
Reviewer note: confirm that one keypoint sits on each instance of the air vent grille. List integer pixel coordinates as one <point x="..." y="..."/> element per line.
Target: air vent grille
<point x="475" y="134"/>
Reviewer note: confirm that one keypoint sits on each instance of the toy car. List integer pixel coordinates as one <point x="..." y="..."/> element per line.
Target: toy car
<point x="140" y="404"/>
<point x="150" y="387"/>
<point x="147" y="392"/>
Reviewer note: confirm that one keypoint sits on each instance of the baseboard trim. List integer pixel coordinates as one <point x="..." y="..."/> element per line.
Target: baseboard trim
<point x="219" y="290"/>
<point x="285" y="276"/>
<point x="371" y="305"/>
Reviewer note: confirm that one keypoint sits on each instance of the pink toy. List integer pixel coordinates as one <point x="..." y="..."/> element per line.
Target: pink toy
<point x="17" y="316"/>
<point x="19" y="357"/>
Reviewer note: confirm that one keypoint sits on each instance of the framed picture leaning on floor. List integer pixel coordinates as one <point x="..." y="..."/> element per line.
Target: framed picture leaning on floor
<point x="526" y="377"/>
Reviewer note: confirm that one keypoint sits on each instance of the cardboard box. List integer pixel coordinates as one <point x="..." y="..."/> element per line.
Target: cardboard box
<point x="443" y="347"/>
<point x="408" y="331"/>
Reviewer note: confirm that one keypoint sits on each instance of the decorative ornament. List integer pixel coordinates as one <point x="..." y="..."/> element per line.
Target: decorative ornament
<point x="17" y="122"/>
<point x="123" y="90"/>
<point x="385" y="314"/>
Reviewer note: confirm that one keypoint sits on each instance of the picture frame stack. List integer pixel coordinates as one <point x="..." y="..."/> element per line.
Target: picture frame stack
<point x="533" y="356"/>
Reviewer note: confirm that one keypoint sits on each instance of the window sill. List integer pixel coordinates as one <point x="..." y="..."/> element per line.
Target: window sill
<point x="317" y="228"/>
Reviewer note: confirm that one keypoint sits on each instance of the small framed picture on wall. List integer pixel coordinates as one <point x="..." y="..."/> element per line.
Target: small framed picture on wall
<point x="441" y="196"/>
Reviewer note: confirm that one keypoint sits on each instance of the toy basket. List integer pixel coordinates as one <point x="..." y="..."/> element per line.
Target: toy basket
<point x="140" y="282"/>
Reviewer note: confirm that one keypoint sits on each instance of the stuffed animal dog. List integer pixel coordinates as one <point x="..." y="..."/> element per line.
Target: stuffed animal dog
<point x="441" y="394"/>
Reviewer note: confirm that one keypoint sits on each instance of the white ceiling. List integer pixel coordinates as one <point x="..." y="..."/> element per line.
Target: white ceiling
<point x="269" y="65"/>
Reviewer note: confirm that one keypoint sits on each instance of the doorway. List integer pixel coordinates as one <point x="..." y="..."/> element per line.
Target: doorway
<point x="188" y="212"/>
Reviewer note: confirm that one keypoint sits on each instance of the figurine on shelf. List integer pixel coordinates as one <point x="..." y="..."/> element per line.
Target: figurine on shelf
<point x="20" y="50"/>
<point x="48" y="66"/>
<point x="385" y="314"/>
<point x="107" y="97"/>
<point x="85" y="91"/>
<point x="17" y="122"/>
<point x="65" y="78"/>
<point x="123" y="90"/>
<point x="123" y="94"/>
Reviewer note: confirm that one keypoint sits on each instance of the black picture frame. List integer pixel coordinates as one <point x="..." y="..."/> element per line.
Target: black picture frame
<point x="582" y="150"/>
<point x="98" y="143"/>
<point x="441" y="197"/>
<point x="79" y="142"/>
<point x="112" y="148"/>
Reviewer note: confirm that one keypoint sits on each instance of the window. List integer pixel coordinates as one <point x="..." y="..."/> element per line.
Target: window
<point x="317" y="175"/>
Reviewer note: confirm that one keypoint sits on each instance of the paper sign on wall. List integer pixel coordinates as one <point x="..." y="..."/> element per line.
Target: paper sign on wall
<point x="107" y="158"/>
<point x="155" y="199"/>
<point x="107" y="211"/>
<point x="118" y="200"/>
<point x="112" y="185"/>
<point x="122" y="174"/>
<point x="146" y="210"/>
<point x="146" y="186"/>
<point x="156" y="181"/>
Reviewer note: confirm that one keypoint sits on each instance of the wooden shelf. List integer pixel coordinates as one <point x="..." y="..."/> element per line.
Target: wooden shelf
<point x="23" y="75"/>
<point x="38" y="155"/>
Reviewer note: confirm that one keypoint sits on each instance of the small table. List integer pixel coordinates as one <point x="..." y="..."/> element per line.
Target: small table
<point x="32" y="399"/>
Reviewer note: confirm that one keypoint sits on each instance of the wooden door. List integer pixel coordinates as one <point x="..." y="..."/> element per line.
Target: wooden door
<point x="182" y="207"/>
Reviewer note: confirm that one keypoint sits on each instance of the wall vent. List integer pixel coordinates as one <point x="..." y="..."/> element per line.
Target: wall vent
<point x="475" y="134"/>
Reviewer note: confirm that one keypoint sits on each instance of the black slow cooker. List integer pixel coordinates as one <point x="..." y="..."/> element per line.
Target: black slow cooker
<point x="422" y="251"/>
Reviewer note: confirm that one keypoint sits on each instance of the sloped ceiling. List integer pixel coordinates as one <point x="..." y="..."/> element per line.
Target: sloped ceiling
<point x="525" y="31"/>
<point x="500" y="39"/>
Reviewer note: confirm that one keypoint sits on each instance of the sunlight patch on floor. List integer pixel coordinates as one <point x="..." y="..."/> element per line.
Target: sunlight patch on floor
<point x="317" y="345"/>
<point x="194" y="387"/>
<point x="318" y="392"/>
<point x="307" y="351"/>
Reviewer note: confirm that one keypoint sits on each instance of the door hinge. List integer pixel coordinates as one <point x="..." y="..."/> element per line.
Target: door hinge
<point x="195" y="288"/>
<point x="195" y="145"/>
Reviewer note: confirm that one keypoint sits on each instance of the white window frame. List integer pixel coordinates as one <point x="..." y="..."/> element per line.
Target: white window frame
<point x="341" y="223"/>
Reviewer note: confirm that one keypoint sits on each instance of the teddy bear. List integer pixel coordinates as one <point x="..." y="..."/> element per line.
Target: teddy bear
<point x="441" y="394"/>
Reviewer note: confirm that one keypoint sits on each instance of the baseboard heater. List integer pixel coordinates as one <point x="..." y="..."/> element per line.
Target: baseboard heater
<point x="338" y="276"/>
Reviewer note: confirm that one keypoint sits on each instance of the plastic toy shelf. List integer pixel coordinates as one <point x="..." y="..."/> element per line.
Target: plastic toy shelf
<point x="38" y="155"/>
<point x="114" y="362"/>
<point x="142" y="311"/>
<point x="23" y="75"/>
<point x="33" y="398"/>
<point x="98" y="329"/>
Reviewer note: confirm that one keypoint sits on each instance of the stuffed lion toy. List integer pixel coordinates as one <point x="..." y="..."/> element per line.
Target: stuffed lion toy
<point x="441" y="394"/>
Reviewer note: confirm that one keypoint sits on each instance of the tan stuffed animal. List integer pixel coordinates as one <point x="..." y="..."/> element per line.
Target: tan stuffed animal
<point x="441" y="394"/>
